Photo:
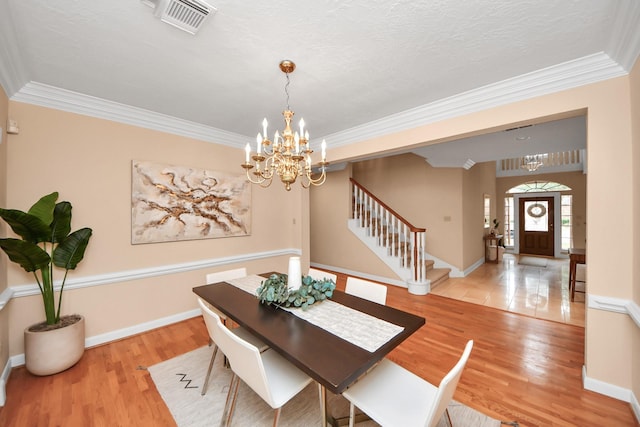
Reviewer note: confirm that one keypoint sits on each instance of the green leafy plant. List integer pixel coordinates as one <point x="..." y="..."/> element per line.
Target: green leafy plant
<point x="275" y="290"/>
<point x="46" y="241"/>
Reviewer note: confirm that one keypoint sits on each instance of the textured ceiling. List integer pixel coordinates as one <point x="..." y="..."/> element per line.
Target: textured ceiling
<point x="358" y="61"/>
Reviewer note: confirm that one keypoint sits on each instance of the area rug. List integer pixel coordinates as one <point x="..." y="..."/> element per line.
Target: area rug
<point x="179" y="381"/>
<point x="533" y="261"/>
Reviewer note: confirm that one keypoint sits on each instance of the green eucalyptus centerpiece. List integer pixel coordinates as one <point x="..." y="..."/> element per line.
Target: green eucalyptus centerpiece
<point x="275" y="290"/>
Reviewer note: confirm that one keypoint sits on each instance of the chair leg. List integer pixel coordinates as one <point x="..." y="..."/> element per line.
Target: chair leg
<point x="229" y="405"/>
<point x="233" y="400"/>
<point x="206" y="379"/>
<point x="352" y="414"/>
<point x="448" y="419"/>
<point x="276" y="417"/>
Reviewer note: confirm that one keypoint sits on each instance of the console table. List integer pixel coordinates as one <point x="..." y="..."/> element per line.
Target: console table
<point x="491" y="241"/>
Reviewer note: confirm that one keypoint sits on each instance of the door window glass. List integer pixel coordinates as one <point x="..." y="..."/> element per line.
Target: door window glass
<point x="536" y="216"/>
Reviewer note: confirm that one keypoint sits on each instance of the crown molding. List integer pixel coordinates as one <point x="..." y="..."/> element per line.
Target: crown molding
<point x="579" y="72"/>
<point x="624" y="46"/>
<point x="61" y="99"/>
<point x="568" y="75"/>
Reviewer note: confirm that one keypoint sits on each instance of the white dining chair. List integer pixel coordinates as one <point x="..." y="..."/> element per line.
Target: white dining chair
<point x="365" y="289"/>
<point x="320" y="275"/>
<point x="392" y="396"/>
<point x="267" y="373"/>
<point x="217" y="277"/>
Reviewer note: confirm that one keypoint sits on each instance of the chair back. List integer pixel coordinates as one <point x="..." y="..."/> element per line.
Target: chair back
<point x="365" y="289"/>
<point x="245" y="360"/>
<point x="447" y="387"/>
<point x="221" y="276"/>
<point x="320" y="275"/>
<point x="210" y="317"/>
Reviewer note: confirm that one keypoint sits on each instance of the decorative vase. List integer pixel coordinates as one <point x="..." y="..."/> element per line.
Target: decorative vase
<point x="53" y="351"/>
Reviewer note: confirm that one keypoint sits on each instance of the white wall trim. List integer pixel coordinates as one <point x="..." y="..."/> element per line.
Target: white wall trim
<point x="607" y="389"/>
<point x="396" y="282"/>
<point x="635" y="406"/>
<point x="582" y="71"/>
<point x="5" y="297"/>
<point x="19" y="360"/>
<point x="61" y="99"/>
<point x="615" y="305"/>
<point x="3" y="382"/>
<point x="143" y="273"/>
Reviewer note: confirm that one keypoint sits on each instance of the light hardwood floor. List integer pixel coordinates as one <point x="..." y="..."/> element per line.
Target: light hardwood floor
<point x="541" y="292"/>
<point x="521" y="368"/>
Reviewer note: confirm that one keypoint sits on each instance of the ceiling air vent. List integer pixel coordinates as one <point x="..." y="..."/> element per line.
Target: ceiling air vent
<point x="188" y="15"/>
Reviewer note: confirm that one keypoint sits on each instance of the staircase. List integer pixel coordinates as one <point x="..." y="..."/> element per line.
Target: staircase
<point x="398" y="243"/>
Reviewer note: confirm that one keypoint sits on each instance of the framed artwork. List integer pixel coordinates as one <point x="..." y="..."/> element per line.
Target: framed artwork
<point x="171" y="203"/>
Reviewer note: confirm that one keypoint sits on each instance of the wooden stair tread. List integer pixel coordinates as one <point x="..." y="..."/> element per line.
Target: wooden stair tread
<point x="438" y="275"/>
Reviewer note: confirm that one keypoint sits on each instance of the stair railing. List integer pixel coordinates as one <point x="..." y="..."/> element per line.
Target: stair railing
<point x="391" y="230"/>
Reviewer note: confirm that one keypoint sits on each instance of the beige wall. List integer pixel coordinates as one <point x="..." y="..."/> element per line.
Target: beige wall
<point x="609" y="145"/>
<point x="577" y="181"/>
<point x="88" y="161"/>
<point x="635" y="191"/>
<point x="478" y="181"/>
<point x="4" y="313"/>
<point x="331" y="241"/>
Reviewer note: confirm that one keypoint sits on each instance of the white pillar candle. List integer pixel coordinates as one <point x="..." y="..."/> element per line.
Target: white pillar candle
<point x="295" y="273"/>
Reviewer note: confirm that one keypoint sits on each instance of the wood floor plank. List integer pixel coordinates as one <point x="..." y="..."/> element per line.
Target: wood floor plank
<point x="521" y="368"/>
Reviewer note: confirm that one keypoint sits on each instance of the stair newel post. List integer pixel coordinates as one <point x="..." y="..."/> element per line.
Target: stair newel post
<point x="423" y="267"/>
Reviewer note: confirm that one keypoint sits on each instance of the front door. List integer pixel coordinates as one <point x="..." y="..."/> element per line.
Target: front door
<point x="536" y="226"/>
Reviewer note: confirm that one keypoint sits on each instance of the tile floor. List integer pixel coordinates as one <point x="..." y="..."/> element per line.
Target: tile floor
<point x="541" y="292"/>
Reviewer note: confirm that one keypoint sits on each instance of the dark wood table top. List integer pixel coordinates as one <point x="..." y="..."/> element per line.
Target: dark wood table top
<point x="330" y="360"/>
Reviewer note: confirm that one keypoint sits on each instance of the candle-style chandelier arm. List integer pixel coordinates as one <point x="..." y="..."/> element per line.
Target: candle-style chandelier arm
<point x="288" y="155"/>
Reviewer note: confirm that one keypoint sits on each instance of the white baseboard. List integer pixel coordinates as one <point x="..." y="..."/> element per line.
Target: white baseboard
<point x="607" y="389"/>
<point x="635" y="406"/>
<point x="3" y="382"/>
<point x="374" y="277"/>
<point x="18" y="360"/>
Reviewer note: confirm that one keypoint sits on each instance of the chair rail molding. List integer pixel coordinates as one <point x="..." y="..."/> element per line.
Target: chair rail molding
<point x="616" y="305"/>
<point x="128" y="275"/>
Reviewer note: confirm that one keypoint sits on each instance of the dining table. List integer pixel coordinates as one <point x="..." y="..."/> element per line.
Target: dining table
<point x="334" y="349"/>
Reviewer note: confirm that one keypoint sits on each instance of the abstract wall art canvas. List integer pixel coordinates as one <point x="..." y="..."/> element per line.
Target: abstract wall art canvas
<point x="171" y="203"/>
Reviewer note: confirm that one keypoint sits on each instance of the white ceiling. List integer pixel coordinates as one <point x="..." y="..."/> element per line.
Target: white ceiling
<point x="364" y="67"/>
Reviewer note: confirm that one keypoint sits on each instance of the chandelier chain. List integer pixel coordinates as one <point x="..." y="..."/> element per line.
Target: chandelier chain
<point x="286" y="90"/>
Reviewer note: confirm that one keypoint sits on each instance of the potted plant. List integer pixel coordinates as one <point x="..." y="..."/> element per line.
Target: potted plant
<point x="496" y="224"/>
<point x="46" y="241"/>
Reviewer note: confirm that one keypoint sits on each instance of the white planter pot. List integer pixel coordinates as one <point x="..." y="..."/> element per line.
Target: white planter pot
<point x="50" y="352"/>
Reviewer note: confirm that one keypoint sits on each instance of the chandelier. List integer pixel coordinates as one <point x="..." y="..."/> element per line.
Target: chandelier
<point x="288" y="156"/>
<point x="532" y="162"/>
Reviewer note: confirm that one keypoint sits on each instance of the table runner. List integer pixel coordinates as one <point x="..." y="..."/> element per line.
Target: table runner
<point x="356" y="327"/>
